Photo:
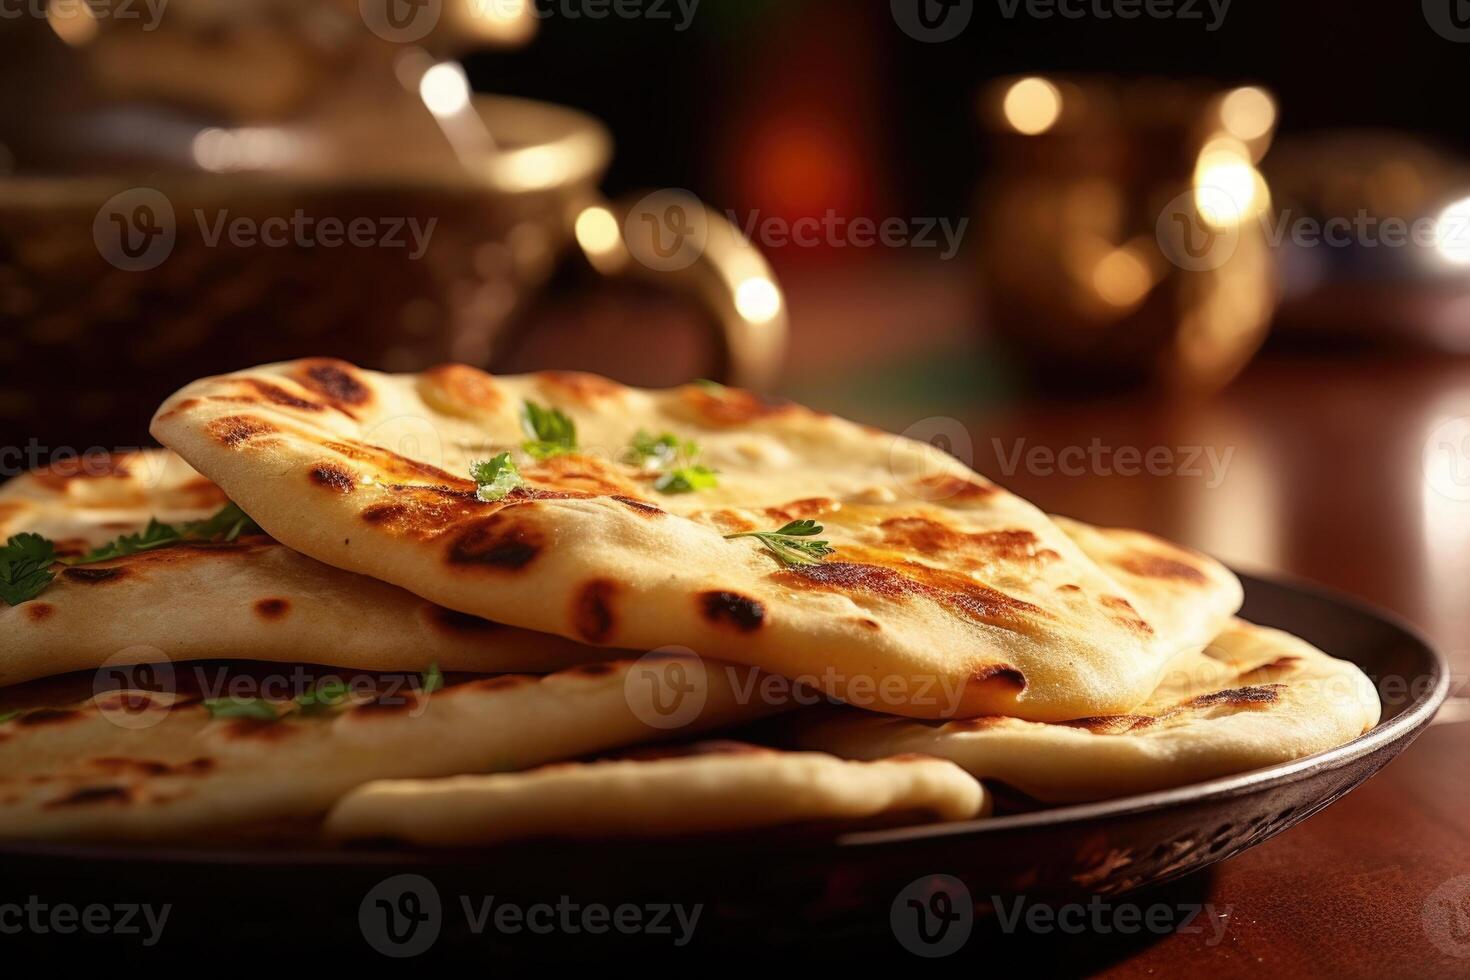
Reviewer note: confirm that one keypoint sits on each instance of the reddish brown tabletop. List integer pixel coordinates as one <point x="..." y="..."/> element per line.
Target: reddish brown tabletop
<point x="1319" y="472"/>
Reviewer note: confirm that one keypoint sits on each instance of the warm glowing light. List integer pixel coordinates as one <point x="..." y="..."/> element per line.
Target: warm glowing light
<point x="1452" y="233"/>
<point x="247" y="148"/>
<point x="1121" y="278"/>
<point x="758" y="300"/>
<point x="598" y="232"/>
<point x="1032" y="106"/>
<point x="1228" y="189"/>
<point x="445" y="89"/>
<point x="72" y="20"/>
<point x="1248" y="113"/>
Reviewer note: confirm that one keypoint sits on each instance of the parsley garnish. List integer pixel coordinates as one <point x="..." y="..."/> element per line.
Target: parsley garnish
<point x="676" y="458"/>
<point x="25" y="568"/>
<point x="9" y="715"/>
<point x="687" y="479"/>
<point x="433" y="679"/>
<point x="495" y="478"/>
<point x="225" y="526"/>
<point x="549" y="432"/>
<point x="788" y="545"/>
<point x="327" y="694"/>
<point x="256" y="709"/>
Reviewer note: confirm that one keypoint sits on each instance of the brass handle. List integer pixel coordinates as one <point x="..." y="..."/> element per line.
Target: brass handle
<point x="673" y="240"/>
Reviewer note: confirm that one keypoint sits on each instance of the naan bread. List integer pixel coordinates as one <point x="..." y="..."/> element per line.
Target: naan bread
<point x="251" y="599"/>
<point x="706" y="788"/>
<point x="1255" y="697"/>
<point x="942" y="582"/>
<point x="154" y="766"/>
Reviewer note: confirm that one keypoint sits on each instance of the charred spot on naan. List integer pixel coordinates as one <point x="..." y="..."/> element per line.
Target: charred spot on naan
<point x="93" y="796"/>
<point x="120" y="765"/>
<point x="1125" y="614"/>
<point x="1253" y="697"/>
<point x="928" y="536"/>
<point x="504" y="541"/>
<point x="272" y="609"/>
<point x="729" y="407"/>
<point x="235" y="431"/>
<point x="898" y="581"/>
<point x="335" y="381"/>
<point x="452" y="623"/>
<point x="584" y="474"/>
<point x="587" y="389"/>
<point x="1148" y="565"/>
<point x="59" y="474"/>
<point x="390" y="464"/>
<point x="330" y="476"/>
<point x="952" y="490"/>
<point x="44" y="717"/>
<point x="93" y="576"/>
<point x="1113" y="724"/>
<point x="276" y="395"/>
<point x="731" y="609"/>
<point x="592" y="610"/>
<point x="39" y="612"/>
<point x="462" y="391"/>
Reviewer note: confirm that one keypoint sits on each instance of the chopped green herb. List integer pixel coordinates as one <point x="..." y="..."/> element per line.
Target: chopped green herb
<point x="10" y="715"/>
<point x="687" y="479"/>
<point x="549" y="431"/>
<point x="25" y="568"/>
<point x="789" y="545"/>
<point x="328" y="694"/>
<point x="256" y="709"/>
<point x="676" y="459"/>
<point x="496" y="477"/>
<point x="225" y="526"/>
<point x="433" y="679"/>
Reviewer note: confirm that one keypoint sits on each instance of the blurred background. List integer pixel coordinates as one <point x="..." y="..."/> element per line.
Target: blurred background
<point x="1200" y="267"/>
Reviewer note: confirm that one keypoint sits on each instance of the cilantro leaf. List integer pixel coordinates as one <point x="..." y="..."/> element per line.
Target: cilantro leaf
<point x="433" y="679"/>
<point x="226" y="527"/>
<point x="549" y="431"/>
<point x="675" y="459"/>
<point x="687" y="479"/>
<point x="788" y="544"/>
<point x="496" y="477"/>
<point x="25" y="568"/>
<point x="256" y="709"/>
<point x="326" y="695"/>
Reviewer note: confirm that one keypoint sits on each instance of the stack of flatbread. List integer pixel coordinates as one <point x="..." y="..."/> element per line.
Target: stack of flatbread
<point x="452" y="609"/>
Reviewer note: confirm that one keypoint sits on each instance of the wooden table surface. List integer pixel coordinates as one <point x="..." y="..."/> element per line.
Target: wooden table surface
<point x="1326" y="480"/>
<point x="1320" y="473"/>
